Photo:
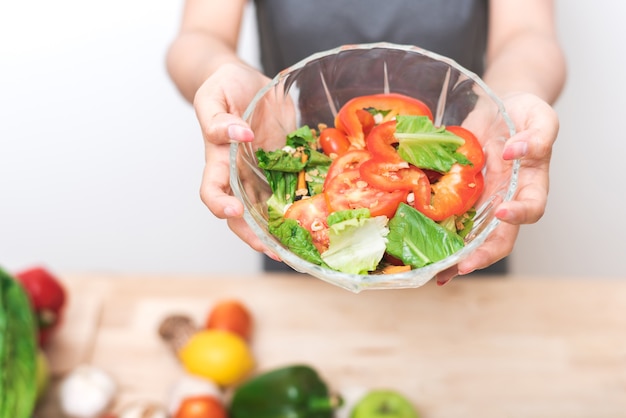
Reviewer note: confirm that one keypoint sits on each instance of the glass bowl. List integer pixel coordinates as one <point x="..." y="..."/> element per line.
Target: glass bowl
<point x="313" y="90"/>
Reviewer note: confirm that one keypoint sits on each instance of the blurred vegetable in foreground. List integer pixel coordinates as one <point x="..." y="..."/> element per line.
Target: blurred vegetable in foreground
<point x="48" y="298"/>
<point x="18" y="350"/>
<point x="288" y="392"/>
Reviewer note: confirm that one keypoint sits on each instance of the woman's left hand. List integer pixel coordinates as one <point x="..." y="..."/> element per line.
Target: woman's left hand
<point x="537" y="126"/>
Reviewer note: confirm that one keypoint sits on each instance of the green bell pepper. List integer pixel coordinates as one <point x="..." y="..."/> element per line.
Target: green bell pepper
<point x="18" y="350"/>
<point x="289" y="392"/>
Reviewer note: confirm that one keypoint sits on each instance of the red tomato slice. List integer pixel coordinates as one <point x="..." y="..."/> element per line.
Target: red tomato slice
<point x="311" y="214"/>
<point x="472" y="149"/>
<point x="349" y="161"/>
<point x="392" y="103"/>
<point x="348" y="190"/>
<point x="333" y="141"/>
<point x="387" y="176"/>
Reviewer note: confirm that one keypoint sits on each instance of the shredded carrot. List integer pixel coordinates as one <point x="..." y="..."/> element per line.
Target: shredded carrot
<point x="391" y="269"/>
<point x="302" y="174"/>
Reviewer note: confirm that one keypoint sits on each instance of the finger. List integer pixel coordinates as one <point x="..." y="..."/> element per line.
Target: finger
<point x="219" y="127"/>
<point x="522" y="211"/>
<point x="446" y="275"/>
<point x="499" y="244"/>
<point x="536" y="134"/>
<point x="215" y="188"/>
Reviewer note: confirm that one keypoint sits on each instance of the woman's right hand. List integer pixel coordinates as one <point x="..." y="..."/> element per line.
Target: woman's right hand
<point x="219" y="104"/>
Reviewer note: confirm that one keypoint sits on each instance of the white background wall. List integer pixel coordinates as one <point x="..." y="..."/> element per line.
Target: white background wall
<point x="100" y="158"/>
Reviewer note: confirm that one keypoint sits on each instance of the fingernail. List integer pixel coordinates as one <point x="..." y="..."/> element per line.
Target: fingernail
<point x="230" y="211"/>
<point x="444" y="281"/>
<point x="240" y="133"/>
<point x="515" y="150"/>
<point x="466" y="272"/>
<point x="502" y="214"/>
<point x="272" y="256"/>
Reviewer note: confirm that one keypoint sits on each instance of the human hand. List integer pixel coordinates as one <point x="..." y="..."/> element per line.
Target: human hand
<point x="219" y="104"/>
<point x="537" y="126"/>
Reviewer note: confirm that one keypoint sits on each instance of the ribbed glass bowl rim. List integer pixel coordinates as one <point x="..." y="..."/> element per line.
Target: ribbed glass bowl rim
<point x="362" y="282"/>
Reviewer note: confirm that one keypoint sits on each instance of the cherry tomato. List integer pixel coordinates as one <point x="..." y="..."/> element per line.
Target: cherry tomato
<point x="348" y="190"/>
<point x="333" y="142"/>
<point x="311" y="214"/>
<point x="346" y="162"/>
<point x="201" y="407"/>
<point x="232" y="316"/>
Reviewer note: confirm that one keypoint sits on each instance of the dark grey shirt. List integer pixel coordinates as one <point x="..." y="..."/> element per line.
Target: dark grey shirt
<point x="291" y="30"/>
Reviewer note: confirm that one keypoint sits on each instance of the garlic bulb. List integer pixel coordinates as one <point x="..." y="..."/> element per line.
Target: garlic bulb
<point x="86" y="392"/>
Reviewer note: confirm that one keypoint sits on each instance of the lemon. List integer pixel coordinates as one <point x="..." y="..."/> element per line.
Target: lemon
<point x="220" y="356"/>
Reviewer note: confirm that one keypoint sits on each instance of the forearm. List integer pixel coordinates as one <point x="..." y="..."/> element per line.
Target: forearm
<point x="207" y="39"/>
<point x="529" y="62"/>
<point x="193" y="57"/>
<point x="523" y="52"/>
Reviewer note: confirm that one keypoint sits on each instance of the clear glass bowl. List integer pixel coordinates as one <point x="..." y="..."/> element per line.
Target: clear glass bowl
<point x="313" y="90"/>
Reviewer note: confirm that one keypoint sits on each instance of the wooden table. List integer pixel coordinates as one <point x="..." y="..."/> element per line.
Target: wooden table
<point x="477" y="347"/>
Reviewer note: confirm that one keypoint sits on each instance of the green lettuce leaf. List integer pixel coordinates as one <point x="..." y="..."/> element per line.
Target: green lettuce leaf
<point x="279" y="160"/>
<point x="297" y="239"/>
<point x="418" y="240"/>
<point x="301" y="137"/>
<point x="357" y="244"/>
<point x="426" y="146"/>
<point x="345" y="215"/>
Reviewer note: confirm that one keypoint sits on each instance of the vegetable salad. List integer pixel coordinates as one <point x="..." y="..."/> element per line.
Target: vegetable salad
<point x="384" y="190"/>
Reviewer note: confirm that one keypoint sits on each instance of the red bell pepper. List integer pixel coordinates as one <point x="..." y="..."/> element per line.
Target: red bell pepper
<point x="456" y="191"/>
<point x="352" y="119"/>
<point x="47" y="296"/>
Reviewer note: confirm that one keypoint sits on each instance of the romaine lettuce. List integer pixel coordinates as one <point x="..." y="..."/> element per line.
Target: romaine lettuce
<point x="418" y="240"/>
<point x="357" y="244"/>
<point x="426" y="146"/>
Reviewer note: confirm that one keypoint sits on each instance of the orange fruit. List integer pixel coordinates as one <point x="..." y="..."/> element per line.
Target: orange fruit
<point x="233" y="316"/>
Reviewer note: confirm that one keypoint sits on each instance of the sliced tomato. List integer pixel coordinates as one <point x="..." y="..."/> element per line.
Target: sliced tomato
<point x="348" y="190"/>
<point x="311" y="214"/>
<point x="349" y="161"/>
<point x="472" y="149"/>
<point x="387" y="176"/>
<point x="389" y="104"/>
<point x="334" y="142"/>
<point x="453" y="194"/>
